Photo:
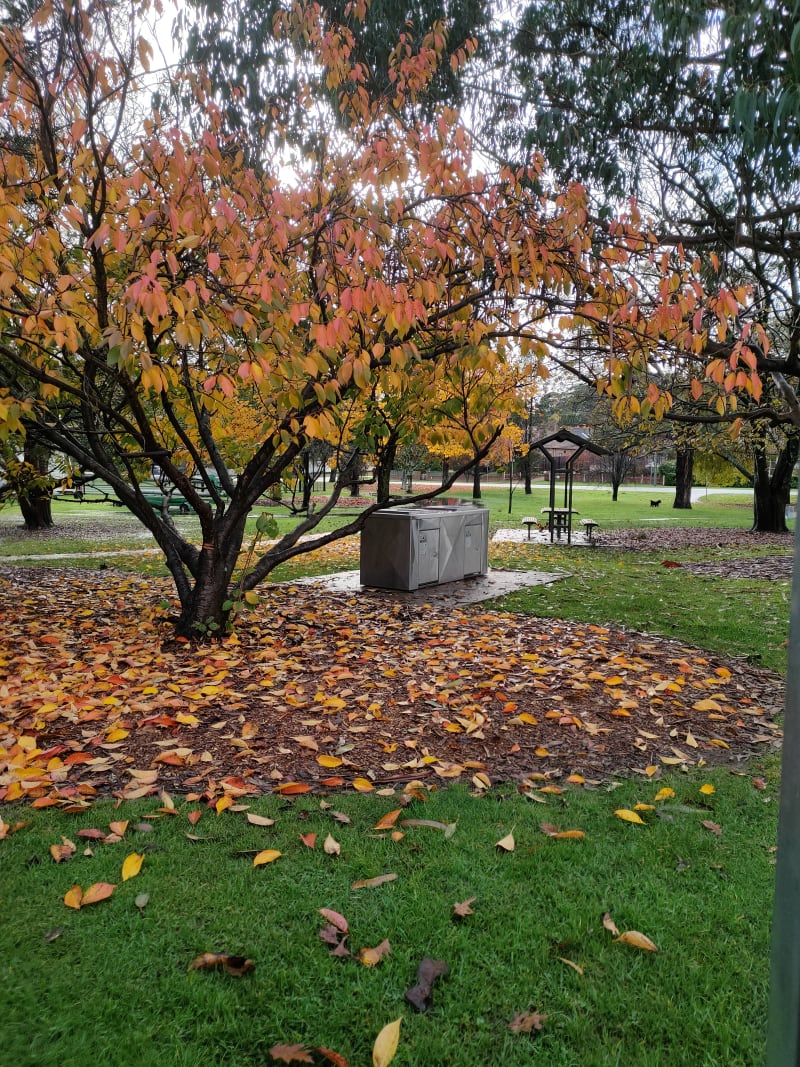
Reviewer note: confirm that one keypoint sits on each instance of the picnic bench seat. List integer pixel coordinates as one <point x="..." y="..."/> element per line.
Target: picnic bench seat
<point x="529" y="522"/>
<point x="589" y="526"/>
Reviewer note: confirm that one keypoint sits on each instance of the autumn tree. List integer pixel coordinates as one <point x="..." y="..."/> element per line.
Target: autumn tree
<point x="151" y="279"/>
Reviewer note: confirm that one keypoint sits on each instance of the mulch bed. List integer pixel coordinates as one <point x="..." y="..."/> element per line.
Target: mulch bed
<point x="323" y="692"/>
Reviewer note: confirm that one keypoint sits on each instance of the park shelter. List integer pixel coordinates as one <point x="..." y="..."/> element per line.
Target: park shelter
<point x="562" y="450"/>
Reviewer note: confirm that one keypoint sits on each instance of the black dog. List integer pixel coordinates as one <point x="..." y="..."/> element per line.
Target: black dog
<point x="654" y="503"/>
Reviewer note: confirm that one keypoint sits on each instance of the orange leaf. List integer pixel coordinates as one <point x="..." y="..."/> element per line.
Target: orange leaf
<point x="388" y="820"/>
<point x="290" y="789"/>
<point x="118" y="827"/>
<point x="73" y="897"/>
<point x="309" y="840"/>
<point x="97" y="892"/>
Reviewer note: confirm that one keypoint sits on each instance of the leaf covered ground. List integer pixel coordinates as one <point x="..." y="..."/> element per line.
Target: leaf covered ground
<point x="318" y="692"/>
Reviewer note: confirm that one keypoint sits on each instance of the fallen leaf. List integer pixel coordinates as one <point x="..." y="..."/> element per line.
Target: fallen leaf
<point x="463" y="909"/>
<point x="331" y="846"/>
<point x="309" y="840"/>
<point x="759" y="783"/>
<point x="707" y="789"/>
<point x="233" y="965"/>
<point x="449" y="828"/>
<point x="629" y="816"/>
<point x="291" y="789"/>
<point x="421" y="994"/>
<point x="637" y="940"/>
<point x="118" y="827"/>
<point x="386" y="1044"/>
<point x="664" y="794"/>
<point x="526" y="1022"/>
<point x="372" y="956"/>
<point x="388" y="820"/>
<point x="506" y="843"/>
<point x="570" y="963"/>
<point x="64" y="851"/>
<point x="132" y="865"/>
<point x="141" y="901"/>
<point x="362" y="785"/>
<point x="268" y="855"/>
<point x="73" y="897"/>
<point x="259" y="820"/>
<point x="714" y="827"/>
<point x="222" y="804"/>
<point x="373" y="883"/>
<point x="291" y="1054"/>
<point x="97" y="892"/>
<point x="610" y="925"/>
<point x="335" y="918"/>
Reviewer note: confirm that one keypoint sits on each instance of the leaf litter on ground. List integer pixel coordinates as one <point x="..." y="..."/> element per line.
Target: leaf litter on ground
<point x="396" y="691"/>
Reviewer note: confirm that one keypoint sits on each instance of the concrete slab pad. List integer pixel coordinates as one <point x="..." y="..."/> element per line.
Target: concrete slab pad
<point x="468" y="591"/>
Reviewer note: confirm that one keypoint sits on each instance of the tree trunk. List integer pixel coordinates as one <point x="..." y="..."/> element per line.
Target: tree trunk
<point x="307" y="483"/>
<point x="383" y="472"/>
<point x="37" y="511"/>
<point x="445" y="470"/>
<point x="684" y="467"/>
<point x="205" y="614"/>
<point x="35" y="491"/>
<point x="526" y="469"/>
<point x="476" y="482"/>
<point x="771" y="493"/>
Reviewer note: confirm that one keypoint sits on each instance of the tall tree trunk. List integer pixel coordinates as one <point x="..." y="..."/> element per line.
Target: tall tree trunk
<point x="476" y="482"/>
<point x="386" y="461"/>
<point x="307" y="483"/>
<point x="684" y="469"/>
<point x="35" y="491"/>
<point x="445" y="470"/>
<point x="771" y="492"/>
<point x="526" y="470"/>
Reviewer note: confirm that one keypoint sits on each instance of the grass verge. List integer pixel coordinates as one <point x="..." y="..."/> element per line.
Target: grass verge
<point x="110" y="983"/>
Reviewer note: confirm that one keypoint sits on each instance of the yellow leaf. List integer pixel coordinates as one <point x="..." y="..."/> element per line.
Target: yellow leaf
<point x="506" y="843"/>
<point x="650" y="770"/>
<point x="712" y="741"/>
<point x="565" y="835"/>
<point x="362" y="785"/>
<point x="707" y="789"/>
<point x="116" y="735"/>
<point x="664" y="794"/>
<point x="569" y="963"/>
<point x="540" y="751"/>
<point x="386" y="1044"/>
<point x="73" y="897"/>
<point x="186" y="719"/>
<point x="527" y="718"/>
<point x="629" y="816"/>
<point x="707" y="705"/>
<point x="633" y="937"/>
<point x="616" y="680"/>
<point x="643" y="807"/>
<point x="329" y="761"/>
<point x="132" y="865"/>
<point x="222" y="804"/>
<point x="269" y="855"/>
<point x="576" y="779"/>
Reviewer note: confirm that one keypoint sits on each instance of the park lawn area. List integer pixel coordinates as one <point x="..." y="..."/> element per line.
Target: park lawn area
<point x="111" y="982"/>
<point x="695" y="877"/>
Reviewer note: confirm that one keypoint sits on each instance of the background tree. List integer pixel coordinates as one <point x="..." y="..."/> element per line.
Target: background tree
<point x="693" y="108"/>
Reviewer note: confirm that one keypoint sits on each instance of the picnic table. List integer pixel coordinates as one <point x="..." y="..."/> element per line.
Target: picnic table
<point x="559" y="520"/>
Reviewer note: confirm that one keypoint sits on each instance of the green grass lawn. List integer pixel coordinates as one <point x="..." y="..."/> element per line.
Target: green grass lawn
<point x="110" y="983"/>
